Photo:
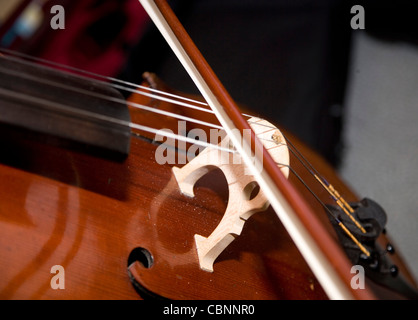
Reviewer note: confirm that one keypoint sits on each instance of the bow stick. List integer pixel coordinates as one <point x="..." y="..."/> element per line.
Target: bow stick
<point x="325" y="258"/>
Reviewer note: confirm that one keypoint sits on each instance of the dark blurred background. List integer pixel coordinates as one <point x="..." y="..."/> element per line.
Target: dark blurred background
<point x="296" y="62"/>
<point x="287" y="60"/>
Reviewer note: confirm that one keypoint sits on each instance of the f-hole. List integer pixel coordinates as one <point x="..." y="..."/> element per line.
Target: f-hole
<point x="141" y="255"/>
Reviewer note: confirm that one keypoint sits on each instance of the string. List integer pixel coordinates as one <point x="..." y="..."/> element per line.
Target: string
<point x="125" y="84"/>
<point x="105" y="80"/>
<point x="328" y="187"/>
<point x="92" y="115"/>
<point x="338" y="221"/>
<point x="112" y="99"/>
<point x="341" y="202"/>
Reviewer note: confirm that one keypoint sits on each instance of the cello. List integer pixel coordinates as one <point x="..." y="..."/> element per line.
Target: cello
<point x="95" y="201"/>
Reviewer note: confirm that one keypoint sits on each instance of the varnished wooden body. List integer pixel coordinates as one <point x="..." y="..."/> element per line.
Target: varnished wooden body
<point x="86" y="214"/>
<point x="90" y="214"/>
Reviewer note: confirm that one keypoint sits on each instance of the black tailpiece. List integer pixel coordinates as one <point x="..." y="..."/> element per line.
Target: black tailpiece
<point x="378" y="266"/>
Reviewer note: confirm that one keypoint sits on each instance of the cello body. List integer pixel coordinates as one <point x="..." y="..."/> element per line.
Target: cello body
<point x="77" y="226"/>
<point x="87" y="214"/>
